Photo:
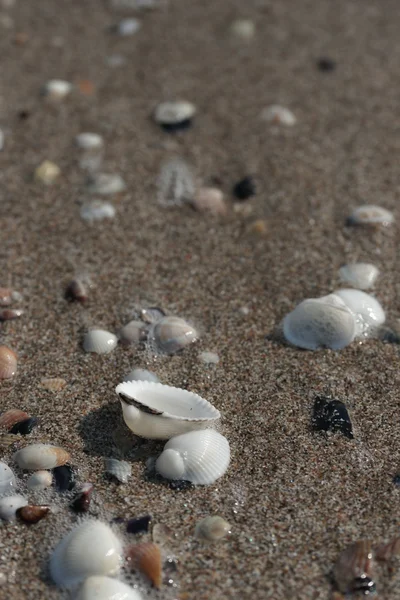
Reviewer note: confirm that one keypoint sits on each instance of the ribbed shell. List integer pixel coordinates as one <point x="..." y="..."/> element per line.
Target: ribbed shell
<point x="7" y="478"/>
<point x="147" y="558"/>
<point x="201" y="457"/>
<point x="99" y="341"/>
<point x="170" y="335"/>
<point x="99" y="587"/>
<point x="41" y="456"/>
<point x="120" y="469"/>
<point x="90" y="549"/>
<point x="8" y="363"/>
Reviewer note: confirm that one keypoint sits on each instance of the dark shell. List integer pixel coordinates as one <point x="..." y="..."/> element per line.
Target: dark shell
<point x="331" y="415"/>
<point x="64" y="477"/>
<point x="180" y="485"/>
<point x="32" y="514"/>
<point x="76" y="291"/>
<point x="81" y="502"/>
<point x="8" y="314"/>
<point x="139" y="525"/>
<point x="179" y="126"/>
<point x="245" y="188"/>
<point x="152" y="314"/>
<point x="326" y="64"/>
<point x="24" y="427"/>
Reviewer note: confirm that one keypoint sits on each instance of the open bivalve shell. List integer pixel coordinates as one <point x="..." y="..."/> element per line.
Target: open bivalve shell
<point x="90" y="549"/>
<point x="99" y="587"/>
<point x="200" y="457"/>
<point x="157" y="411"/>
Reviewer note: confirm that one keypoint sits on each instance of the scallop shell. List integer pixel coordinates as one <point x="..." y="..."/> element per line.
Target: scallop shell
<point x="175" y="183"/>
<point x="7" y="479"/>
<point x="97" y="210"/>
<point x="11" y="417"/>
<point x="200" y="457"/>
<point x="89" y="141"/>
<point x="8" y="363"/>
<point x="37" y="457"/>
<point x="99" y="341"/>
<point x="142" y="375"/>
<point x="57" y="89"/>
<point x="212" y="529"/>
<point x="171" y="113"/>
<point x="106" y="184"/>
<point x="90" y="549"/>
<point x="320" y="323"/>
<point x="359" y="275"/>
<point x="368" y="312"/>
<point x="353" y="569"/>
<point x="147" y="558"/>
<point x="279" y="115"/>
<point x="9" y="506"/>
<point x="128" y="26"/>
<point x="157" y="411"/>
<point x="133" y="332"/>
<point x="33" y="513"/>
<point x="370" y="214"/>
<point x="119" y="469"/>
<point x="170" y="335"/>
<point x="99" y="587"/>
<point x="40" y="480"/>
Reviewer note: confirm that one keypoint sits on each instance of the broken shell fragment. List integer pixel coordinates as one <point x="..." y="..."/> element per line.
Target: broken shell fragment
<point x="170" y="335"/>
<point x="147" y="558"/>
<point x="7" y="479"/>
<point x="99" y="587"/>
<point x="81" y="502"/>
<point x="32" y="514"/>
<point x="57" y="89"/>
<point x="133" y="332"/>
<point x="331" y="415"/>
<point x="47" y="172"/>
<point x="370" y="214"/>
<point x="141" y="375"/>
<point x="9" y="506"/>
<point x="40" y="480"/>
<point x="37" y="457"/>
<point x="99" y="341"/>
<point x="200" y="457"/>
<point x="97" y="210"/>
<point x="9" y="418"/>
<point x="175" y="116"/>
<point x="8" y="363"/>
<point x="279" y="115"/>
<point x="8" y="314"/>
<point x="106" y="184"/>
<point x="359" y="275"/>
<point x="353" y="569"/>
<point x="387" y="551"/>
<point x="119" y="469"/>
<point x="212" y="529"/>
<point x="157" y="411"/>
<point x="92" y="548"/>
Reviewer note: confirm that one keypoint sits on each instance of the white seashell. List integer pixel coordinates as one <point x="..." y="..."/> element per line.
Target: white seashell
<point x="320" y="323"/>
<point x="119" y="469"/>
<point x="243" y="29"/>
<point x="37" y="457"/>
<point x="370" y="214"/>
<point x="106" y="184"/>
<point x="57" y="89"/>
<point x="359" y="275"/>
<point x="279" y="115"/>
<point x="157" y="411"/>
<point x="201" y="457"/>
<point x="141" y="375"/>
<point x="209" y="358"/>
<point x="172" y="113"/>
<point x="175" y="183"/>
<point x="99" y="341"/>
<point x="368" y="312"/>
<point x="90" y="549"/>
<point x="212" y="529"/>
<point x="128" y="26"/>
<point x="47" y="172"/>
<point x="7" y="479"/>
<point x="170" y="335"/>
<point x="89" y="141"/>
<point x="40" y="480"/>
<point x="133" y="332"/>
<point x="9" y="506"/>
<point x="97" y="210"/>
<point x="98" y="587"/>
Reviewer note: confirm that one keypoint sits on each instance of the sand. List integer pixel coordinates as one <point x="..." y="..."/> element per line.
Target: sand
<point x="294" y="499"/>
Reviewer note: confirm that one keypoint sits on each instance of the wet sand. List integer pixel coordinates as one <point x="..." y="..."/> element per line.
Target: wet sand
<point x="294" y="498"/>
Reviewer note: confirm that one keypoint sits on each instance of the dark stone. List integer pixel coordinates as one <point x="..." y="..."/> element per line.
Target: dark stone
<point x="65" y="478"/>
<point x="179" y="126"/>
<point x="180" y="485"/>
<point x="139" y="525"/>
<point x="326" y="65"/>
<point x="331" y="415"/>
<point x="24" y="427"/>
<point x="245" y="188"/>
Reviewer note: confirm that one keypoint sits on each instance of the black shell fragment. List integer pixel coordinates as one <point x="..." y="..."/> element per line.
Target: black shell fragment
<point x="24" y="427"/>
<point x="64" y="478"/>
<point x="245" y="188"/>
<point x="331" y="415"/>
<point x="139" y="525"/>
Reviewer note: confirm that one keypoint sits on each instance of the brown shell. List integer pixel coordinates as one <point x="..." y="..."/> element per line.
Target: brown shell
<point x="389" y="550"/>
<point x="77" y="290"/>
<point x="8" y="314"/>
<point x="11" y="417"/>
<point x="32" y="513"/>
<point x="354" y="563"/>
<point x="54" y="384"/>
<point x="5" y="296"/>
<point x="8" y="363"/>
<point x="147" y="558"/>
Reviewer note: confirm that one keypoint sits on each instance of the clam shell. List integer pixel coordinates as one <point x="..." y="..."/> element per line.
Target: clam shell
<point x="37" y="457"/>
<point x="98" y="587"/>
<point x="142" y="375"/>
<point x="33" y="513"/>
<point x="368" y="312"/>
<point x="106" y="184"/>
<point x="172" y="113"/>
<point x="279" y="115"/>
<point x="119" y="469"/>
<point x="11" y="417"/>
<point x="320" y="323"/>
<point x="40" y="480"/>
<point x="99" y="341"/>
<point x="200" y="457"/>
<point x="89" y="141"/>
<point x="359" y="275"/>
<point x="7" y="479"/>
<point x="97" y="210"/>
<point x="157" y="411"/>
<point x="170" y="335"/>
<point x="133" y="332"/>
<point x="370" y="214"/>
<point x="175" y="183"/>
<point x="152" y="314"/>
<point x="9" y="506"/>
<point x="90" y="549"/>
<point x="8" y="363"/>
<point x="147" y="558"/>
<point x="354" y="567"/>
<point x="212" y="529"/>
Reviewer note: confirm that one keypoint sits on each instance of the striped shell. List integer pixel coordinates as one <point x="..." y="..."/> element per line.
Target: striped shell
<point x="119" y="469"/>
<point x="41" y="456"/>
<point x="8" y="363"/>
<point x="99" y="587"/>
<point x="99" y="341"/>
<point x="147" y="558"/>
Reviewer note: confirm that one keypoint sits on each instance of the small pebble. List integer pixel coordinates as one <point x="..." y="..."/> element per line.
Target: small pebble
<point x="209" y="358"/>
<point x="55" y="384"/>
<point x="243" y="29"/>
<point x="47" y="172"/>
<point x="97" y="210"/>
<point x="210" y="200"/>
<point x="396" y="480"/>
<point x="138" y="525"/>
<point x="331" y="415"/>
<point x="212" y="529"/>
<point x="128" y="27"/>
<point x="278" y="115"/>
<point x="245" y="188"/>
<point x="78" y="290"/>
<point x="106" y="184"/>
<point x="89" y="141"/>
<point x="161" y="534"/>
<point x="326" y="65"/>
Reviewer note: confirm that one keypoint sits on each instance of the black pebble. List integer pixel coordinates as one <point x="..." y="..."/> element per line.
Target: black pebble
<point x="179" y="126"/>
<point x="65" y="478"/>
<point x="180" y="485"/>
<point x="139" y="525"/>
<point x="326" y="65"/>
<point x="24" y="427"/>
<point x="245" y="188"/>
<point x="331" y="415"/>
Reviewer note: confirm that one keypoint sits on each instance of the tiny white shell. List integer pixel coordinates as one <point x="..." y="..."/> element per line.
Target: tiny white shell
<point x="99" y="341"/>
<point x="9" y="506"/>
<point x="320" y="323"/>
<point x="201" y="457"/>
<point x="170" y="335"/>
<point x="89" y="141"/>
<point x="157" y="411"/>
<point x="7" y="479"/>
<point x="106" y="184"/>
<point x="175" y="183"/>
<point x="57" y="89"/>
<point x="278" y="114"/>
<point x="119" y="469"/>
<point x="171" y="113"/>
<point x="359" y="275"/>
<point x="90" y="549"/>
<point x="40" y="480"/>
<point x="370" y="214"/>
<point x="37" y="457"/>
<point x="128" y="26"/>
<point x="98" y="587"/>
<point x="97" y="210"/>
<point x="368" y="312"/>
<point x="141" y="375"/>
